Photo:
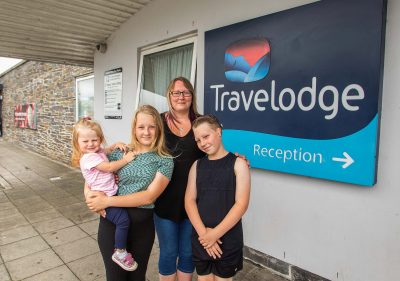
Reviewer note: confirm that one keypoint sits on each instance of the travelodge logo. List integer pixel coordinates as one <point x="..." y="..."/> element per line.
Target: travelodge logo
<point x="247" y="60"/>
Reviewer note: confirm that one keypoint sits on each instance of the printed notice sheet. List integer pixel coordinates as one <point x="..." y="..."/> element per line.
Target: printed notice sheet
<point x="113" y="94"/>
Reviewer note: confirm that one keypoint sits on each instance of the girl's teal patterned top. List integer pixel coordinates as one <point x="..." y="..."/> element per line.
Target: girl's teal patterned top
<point x="139" y="173"/>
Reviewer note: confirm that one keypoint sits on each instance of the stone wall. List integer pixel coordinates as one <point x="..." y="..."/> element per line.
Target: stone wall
<point x="52" y="88"/>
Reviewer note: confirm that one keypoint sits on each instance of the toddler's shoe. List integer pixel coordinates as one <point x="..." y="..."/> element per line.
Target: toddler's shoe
<point x="127" y="262"/>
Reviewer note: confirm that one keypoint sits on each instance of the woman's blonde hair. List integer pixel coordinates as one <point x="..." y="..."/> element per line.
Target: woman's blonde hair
<point x="193" y="113"/>
<point x="84" y="123"/>
<point x="158" y="144"/>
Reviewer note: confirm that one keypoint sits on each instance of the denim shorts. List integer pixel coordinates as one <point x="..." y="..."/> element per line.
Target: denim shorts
<point x="175" y="243"/>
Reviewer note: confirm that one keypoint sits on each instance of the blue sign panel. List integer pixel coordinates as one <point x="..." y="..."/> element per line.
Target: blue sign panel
<point x="299" y="91"/>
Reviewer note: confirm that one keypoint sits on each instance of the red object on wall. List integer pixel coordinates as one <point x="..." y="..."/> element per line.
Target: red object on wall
<point x="25" y="116"/>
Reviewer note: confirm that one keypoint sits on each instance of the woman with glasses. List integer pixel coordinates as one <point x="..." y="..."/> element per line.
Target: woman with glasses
<point x="171" y="221"/>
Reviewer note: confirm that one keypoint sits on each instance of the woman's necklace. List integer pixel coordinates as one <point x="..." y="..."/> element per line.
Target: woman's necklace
<point x="181" y="131"/>
<point x="180" y="128"/>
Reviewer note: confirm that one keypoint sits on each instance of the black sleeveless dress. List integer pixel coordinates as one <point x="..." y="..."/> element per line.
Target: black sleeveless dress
<point x="216" y="187"/>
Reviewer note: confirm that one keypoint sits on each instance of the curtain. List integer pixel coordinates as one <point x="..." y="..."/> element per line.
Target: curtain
<point x="160" y="68"/>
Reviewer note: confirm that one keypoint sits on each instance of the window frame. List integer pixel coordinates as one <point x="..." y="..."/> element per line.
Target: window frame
<point x="77" y="80"/>
<point x="170" y="44"/>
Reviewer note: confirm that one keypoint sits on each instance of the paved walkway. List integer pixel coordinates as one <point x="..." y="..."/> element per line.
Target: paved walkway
<point x="46" y="231"/>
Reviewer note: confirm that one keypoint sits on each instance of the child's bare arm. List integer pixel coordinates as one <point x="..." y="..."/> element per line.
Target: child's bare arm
<point x="242" y="197"/>
<point x="86" y="189"/>
<point x="113" y="166"/>
<point x="190" y="202"/>
<point x="145" y="197"/>
<point x="111" y="148"/>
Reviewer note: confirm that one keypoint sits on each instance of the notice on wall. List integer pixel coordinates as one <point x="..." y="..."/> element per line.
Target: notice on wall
<point x="299" y="91"/>
<point x="113" y="94"/>
<point x="25" y="116"/>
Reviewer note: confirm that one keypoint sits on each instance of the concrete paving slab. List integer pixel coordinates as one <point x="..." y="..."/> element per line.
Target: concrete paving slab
<point x="4" y="276"/>
<point x="32" y="208"/>
<point x="8" y="212"/>
<point x="63" y="236"/>
<point x="76" y="190"/>
<point x="44" y="215"/>
<point x="75" y="180"/>
<point x="4" y="184"/>
<point x="34" y="180"/>
<point x="63" y="201"/>
<point x="80" y="196"/>
<point x="152" y="267"/>
<point x="72" y="179"/>
<point x="78" y="213"/>
<point x="41" y="187"/>
<point x="19" y="194"/>
<point x="12" y="180"/>
<point x="71" y="188"/>
<point x="17" y="234"/>
<point x="3" y="197"/>
<point x="44" y="189"/>
<point x="13" y="222"/>
<point x="102" y="278"/>
<point x="71" y="184"/>
<point x="77" y="249"/>
<point x="56" y="192"/>
<point x="6" y="205"/>
<point x="23" y="248"/>
<point x="7" y="162"/>
<point x="6" y="175"/>
<point x="88" y="268"/>
<point x="19" y="186"/>
<point x="49" y="171"/>
<point x="24" y="175"/>
<point x="61" y="273"/>
<point x="33" y="264"/>
<point x="3" y="170"/>
<point x="90" y="227"/>
<point x="52" y="225"/>
<point x="28" y="200"/>
<point x="14" y="168"/>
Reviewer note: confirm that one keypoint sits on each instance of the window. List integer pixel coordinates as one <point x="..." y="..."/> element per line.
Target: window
<point x="85" y="97"/>
<point x="159" y="65"/>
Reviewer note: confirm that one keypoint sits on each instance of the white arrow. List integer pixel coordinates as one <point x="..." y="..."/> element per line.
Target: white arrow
<point x="347" y="160"/>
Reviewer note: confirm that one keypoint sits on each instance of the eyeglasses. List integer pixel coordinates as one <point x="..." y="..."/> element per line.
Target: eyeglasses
<point x="177" y="94"/>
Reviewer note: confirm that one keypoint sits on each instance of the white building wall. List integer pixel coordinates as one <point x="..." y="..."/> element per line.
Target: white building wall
<point x="336" y="230"/>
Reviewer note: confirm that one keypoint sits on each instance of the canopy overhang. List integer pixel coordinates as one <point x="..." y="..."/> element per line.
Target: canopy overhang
<point x="61" y="31"/>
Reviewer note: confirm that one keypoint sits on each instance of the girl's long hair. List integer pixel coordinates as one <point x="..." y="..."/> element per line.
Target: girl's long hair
<point x="84" y="123"/>
<point x="158" y="144"/>
<point x="170" y="116"/>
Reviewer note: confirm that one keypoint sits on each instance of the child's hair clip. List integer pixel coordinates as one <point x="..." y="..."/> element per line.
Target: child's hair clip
<point x="86" y="118"/>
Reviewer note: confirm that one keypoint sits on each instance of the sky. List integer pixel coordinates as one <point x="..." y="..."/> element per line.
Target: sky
<point x="7" y="63"/>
